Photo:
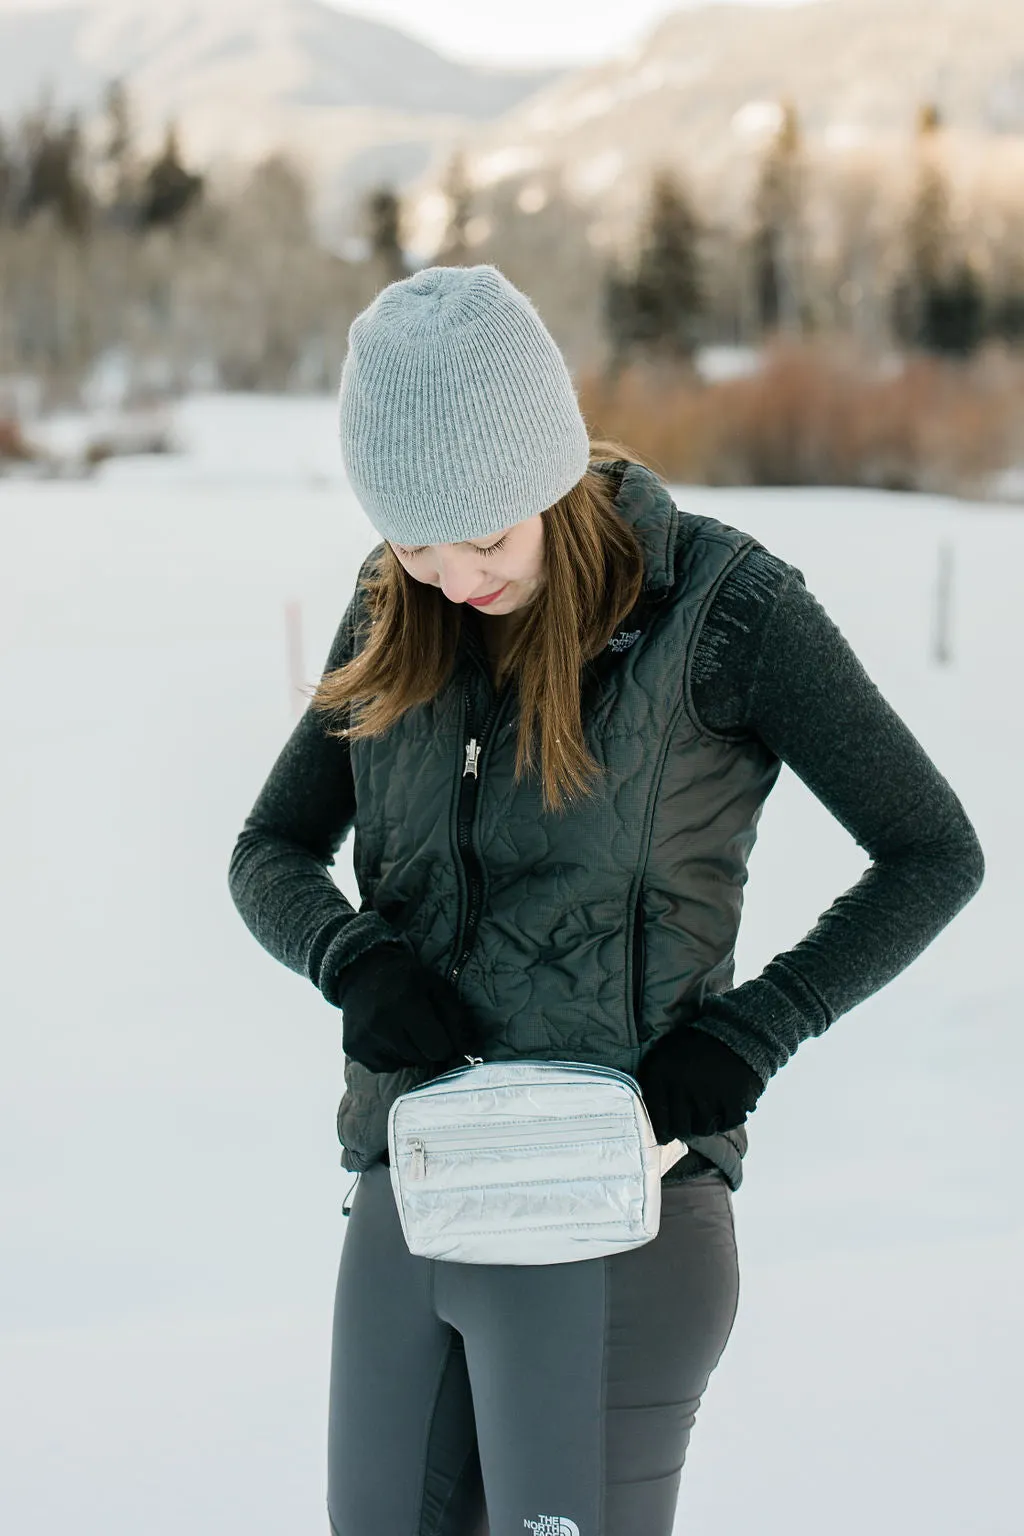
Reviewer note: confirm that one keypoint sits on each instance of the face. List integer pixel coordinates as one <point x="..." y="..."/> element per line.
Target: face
<point x="509" y="562"/>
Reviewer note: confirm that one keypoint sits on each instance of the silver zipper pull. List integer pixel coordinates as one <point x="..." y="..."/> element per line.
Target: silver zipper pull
<point x="418" y="1168"/>
<point x="472" y="753"/>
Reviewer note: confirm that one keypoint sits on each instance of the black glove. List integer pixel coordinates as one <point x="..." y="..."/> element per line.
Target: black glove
<point x="399" y="1013"/>
<point x="694" y="1085"/>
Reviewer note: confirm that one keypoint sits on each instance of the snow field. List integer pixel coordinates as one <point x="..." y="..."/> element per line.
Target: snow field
<point x="168" y="1164"/>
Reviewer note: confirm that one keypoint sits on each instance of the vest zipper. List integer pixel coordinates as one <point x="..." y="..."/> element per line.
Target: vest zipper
<point x="638" y="962"/>
<point x="474" y="748"/>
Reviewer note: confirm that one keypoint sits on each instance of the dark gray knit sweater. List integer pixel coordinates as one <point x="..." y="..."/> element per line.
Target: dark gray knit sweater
<point x="768" y="661"/>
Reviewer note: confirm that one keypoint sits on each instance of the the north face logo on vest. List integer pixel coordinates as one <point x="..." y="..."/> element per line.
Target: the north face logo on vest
<point x="624" y="639"/>
<point x="552" y="1525"/>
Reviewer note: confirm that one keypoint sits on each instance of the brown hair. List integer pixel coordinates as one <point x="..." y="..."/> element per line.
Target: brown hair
<point x="593" y="573"/>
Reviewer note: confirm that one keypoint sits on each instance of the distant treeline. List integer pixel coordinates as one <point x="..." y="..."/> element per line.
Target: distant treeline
<point x="138" y="263"/>
<point x="914" y="282"/>
<point x="109" y="254"/>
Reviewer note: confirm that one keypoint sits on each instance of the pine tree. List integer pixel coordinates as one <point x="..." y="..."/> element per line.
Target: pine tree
<point x="383" y="214"/>
<point x="656" y="312"/>
<point x="939" y="305"/>
<point x="168" y="189"/>
<point x="458" y="190"/>
<point x="928" y="233"/>
<point x="120" y="176"/>
<point x="954" y="313"/>
<point x="52" y="174"/>
<point x="778" y="241"/>
<point x="74" y="200"/>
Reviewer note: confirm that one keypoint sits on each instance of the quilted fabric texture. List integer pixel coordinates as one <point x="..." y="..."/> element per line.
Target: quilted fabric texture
<point x="604" y="925"/>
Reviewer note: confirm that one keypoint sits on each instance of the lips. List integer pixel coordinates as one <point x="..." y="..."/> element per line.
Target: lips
<point x="477" y="601"/>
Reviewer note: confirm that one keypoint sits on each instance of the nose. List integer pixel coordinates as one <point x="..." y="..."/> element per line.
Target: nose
<point x="458" y="581"/>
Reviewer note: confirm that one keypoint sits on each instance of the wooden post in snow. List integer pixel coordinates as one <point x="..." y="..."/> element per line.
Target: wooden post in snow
<point x="942" y="645"/>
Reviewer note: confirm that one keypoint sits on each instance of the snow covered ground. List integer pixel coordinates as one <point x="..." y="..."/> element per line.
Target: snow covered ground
<point x="169" y="1174"/>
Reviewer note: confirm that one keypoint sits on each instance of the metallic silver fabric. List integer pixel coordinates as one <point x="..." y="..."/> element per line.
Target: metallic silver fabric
<point x="526" y="1162"/>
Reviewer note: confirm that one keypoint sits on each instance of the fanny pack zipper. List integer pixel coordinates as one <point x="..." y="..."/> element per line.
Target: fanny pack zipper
<point x="539" y="1133"/>
<point x="572" y="1066"/>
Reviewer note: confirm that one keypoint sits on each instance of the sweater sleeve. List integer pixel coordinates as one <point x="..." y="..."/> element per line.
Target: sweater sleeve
<point x="769" y="661"/>
<point x="278" y="872"/>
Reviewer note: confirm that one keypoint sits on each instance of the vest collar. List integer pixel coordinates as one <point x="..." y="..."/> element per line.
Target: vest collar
<point x="644" y="502"/>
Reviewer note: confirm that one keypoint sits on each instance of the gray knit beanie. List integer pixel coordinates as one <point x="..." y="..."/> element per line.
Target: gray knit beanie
<point x="457" y="412"/>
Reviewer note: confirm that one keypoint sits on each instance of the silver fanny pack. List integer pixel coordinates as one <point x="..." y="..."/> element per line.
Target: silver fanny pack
<point x="526" y="1162"/>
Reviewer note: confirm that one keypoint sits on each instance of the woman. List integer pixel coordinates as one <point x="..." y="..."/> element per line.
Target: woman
<point x="552" y="713"/>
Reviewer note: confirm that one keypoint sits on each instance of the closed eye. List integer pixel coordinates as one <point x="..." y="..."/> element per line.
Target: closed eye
<point x="492" y="550"/>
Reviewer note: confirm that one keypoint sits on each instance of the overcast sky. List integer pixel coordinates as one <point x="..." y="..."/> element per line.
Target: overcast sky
<point x="528" y="31"/>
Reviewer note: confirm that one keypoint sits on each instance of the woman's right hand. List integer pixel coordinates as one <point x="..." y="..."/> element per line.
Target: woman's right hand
<point x="399" y="1013"/>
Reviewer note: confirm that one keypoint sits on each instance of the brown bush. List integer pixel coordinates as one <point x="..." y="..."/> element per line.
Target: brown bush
<point x="820" y="415"/>
<point x="13" y="445"/>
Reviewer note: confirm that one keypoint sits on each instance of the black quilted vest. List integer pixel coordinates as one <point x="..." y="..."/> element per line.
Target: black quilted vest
<point x="588" y="933"/>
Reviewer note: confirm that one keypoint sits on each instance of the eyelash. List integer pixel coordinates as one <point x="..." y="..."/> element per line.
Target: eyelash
<point x="493" y="549"/>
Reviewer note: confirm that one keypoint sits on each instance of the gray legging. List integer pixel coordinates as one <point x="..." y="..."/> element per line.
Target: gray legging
<point x="563" y="1395"/>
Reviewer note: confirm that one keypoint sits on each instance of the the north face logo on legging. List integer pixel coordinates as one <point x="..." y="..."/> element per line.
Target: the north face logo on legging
<point x="552" y="1525"/>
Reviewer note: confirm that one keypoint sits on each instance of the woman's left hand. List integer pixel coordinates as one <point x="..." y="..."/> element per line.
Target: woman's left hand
<point x="693" y="1084"/>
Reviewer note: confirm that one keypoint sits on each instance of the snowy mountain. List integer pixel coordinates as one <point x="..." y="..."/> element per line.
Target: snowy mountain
<point x="703" y="90"/>
<point x="356" y="99"/>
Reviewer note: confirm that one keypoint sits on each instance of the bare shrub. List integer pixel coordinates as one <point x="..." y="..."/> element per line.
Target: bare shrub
<point x="14" y="448"/>
<point x="820" y="414"/>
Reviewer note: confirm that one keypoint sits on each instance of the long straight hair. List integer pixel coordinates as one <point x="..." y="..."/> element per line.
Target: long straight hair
<point x="593" y="573"/>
